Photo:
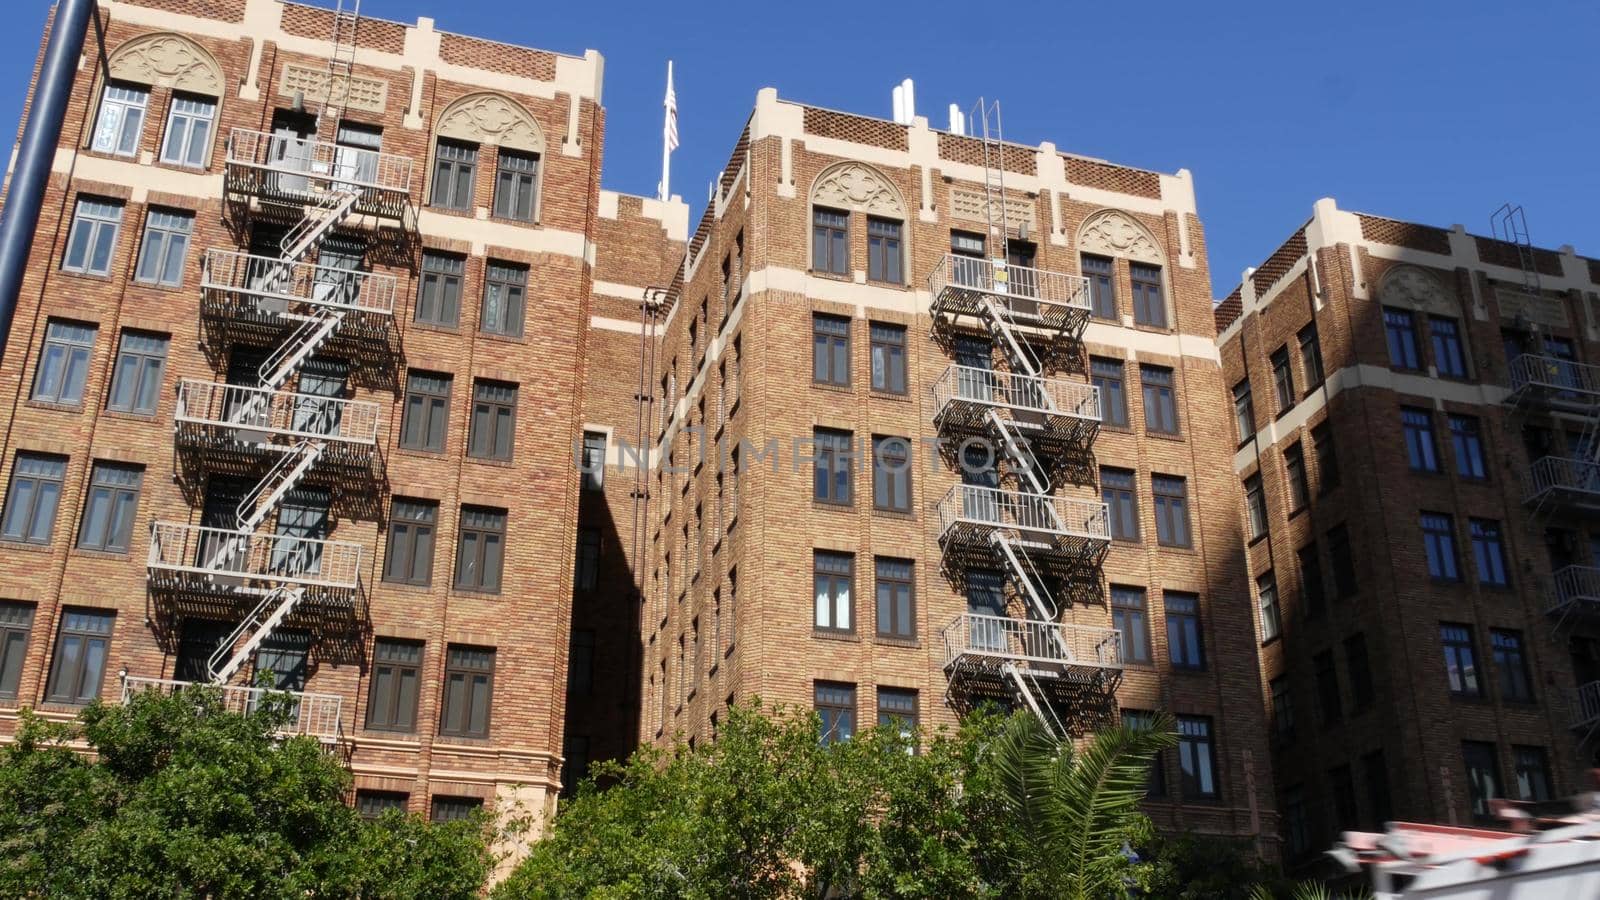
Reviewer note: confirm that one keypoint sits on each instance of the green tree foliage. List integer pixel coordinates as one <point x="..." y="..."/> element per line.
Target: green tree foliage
<point x="178" y="798"/>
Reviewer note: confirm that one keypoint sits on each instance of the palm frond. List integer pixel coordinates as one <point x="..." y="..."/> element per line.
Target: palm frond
<point x="1094" y="796"/>
<point x="1021" y="756"/>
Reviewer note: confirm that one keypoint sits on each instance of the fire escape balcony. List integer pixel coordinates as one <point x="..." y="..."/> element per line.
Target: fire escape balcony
<point x="1586" y="707"/>
<point x="1575" y="591"/>
<point x="267" y="290"/>
<point x="1559" y="385"/>
<point x="292" y="170"/>
<point x="313" y="715"/>
<point x="1563" y="484"/>
<point x="1056" y="416"/>
<point x="235" y="423"/>
<point x="1049" y="529"/>
<point x="1038" y="302"/>
<point x="201" y="560"/>
<point x="980" y="643"/>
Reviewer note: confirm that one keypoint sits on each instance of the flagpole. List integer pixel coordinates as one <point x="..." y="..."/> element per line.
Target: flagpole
<point x="666" y="138"/>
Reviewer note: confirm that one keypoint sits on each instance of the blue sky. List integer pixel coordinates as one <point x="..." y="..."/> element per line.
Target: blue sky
<point x="1436" y="113"/>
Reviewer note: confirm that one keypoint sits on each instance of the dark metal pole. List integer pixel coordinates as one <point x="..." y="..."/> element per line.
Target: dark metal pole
<point x="37" y="151"/>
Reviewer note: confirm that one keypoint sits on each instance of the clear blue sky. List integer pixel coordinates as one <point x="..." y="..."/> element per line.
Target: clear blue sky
<point x="1435" y="113"/>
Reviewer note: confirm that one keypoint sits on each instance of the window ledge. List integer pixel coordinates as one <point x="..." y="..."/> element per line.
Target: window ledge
<point x="890" y="395"/>
<point x="849" y="637"/>
<point x="420" y="454"/>
<point x="832" y="505"/>
<point x="498" y="337"/>
<point x="98" y="554"/>
<point x="127" y="416"/>
<point x="179" y="288"/>
<point x="87" y="276"/>
<point x="439" y="327"/>
<point x="904" y="515"/>
<point x="26" y="547"/>
<point x="889" y="640"/>
<point x="457" y="591"/>
<point x="494" y="463"/>
<point x="1174" y="436"/>
<point x="56" y="407"/>
<point x="836" y="388"/>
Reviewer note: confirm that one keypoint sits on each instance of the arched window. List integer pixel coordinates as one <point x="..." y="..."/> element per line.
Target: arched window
<point x="851" y="195"/>
<point x="168" y="61"/>
<point x="487" y="121"/>
<point x="1113" y="233"/>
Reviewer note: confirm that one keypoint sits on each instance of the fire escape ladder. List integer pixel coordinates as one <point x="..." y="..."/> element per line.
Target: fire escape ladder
<point x="256" y="627"/>
<point x="312" y="333"/>
<point x="1510" y="225"/>
<point x="284" y="476"/>
<point x="1027" y="688"/>
<point x="1020" y="452"/>
<point x="1030" y="583"/>
<point x="340" y="61"/>
<point x="331" y="207"/>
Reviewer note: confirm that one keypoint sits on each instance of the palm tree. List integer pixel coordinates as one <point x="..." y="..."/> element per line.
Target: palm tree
<point x="1074" y="809"/>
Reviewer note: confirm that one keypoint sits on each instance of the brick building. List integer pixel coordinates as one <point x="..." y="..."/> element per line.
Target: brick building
<point x="1415" y="409"/>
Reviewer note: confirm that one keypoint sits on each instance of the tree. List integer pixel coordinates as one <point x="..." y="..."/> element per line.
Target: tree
<point x="182" y="798"/>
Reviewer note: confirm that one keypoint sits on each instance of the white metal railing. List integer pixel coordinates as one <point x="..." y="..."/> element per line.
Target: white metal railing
<point x="1043" y="287"/>
<point x="1031" y="640"/>
<point x="1024" y="393"/>
<point x="316" y="715"/>
<point x="280" y="558"/>
<point x="1579" y="380"/>
<point x="295" y="161"/>
<point x="281" y="413"/>
<point x="1560" y="473"/>
<point x="281" y="279"/>
<point x="1586" y="713"/>
<point x="1023" y="512"/>
<point x="1575" y="584"/>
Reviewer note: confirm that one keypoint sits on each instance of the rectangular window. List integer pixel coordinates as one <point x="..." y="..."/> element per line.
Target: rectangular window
<point x="1244" y="411"/>
<point x="891" y="474"/>
<point x="1271" y="615"/>
<point x="1313" y="597"/>
<point x="1511" y="665"/>
<point x="454" y="809"/>
<point x="830" y="241"/>
<point x="515" y="181"/>
<point x="1439" y="540"/>
<point x="1342" y="790"/>
<point x="1360" y="669"/>
<point x="1328" y="699"/>
<point x="1294" y="467"/>
<point x="1460" y="659"/>
<point x="1344" y="566"/>
<point x="1160" y="409"/>
<point x="888" y="357"/>
<point x="1311" y="356"/>
<point x="392" y="697"/>
<point x="79" y="664"/>
<point x="64" y="362"/>
<point x="1488" y="551"/>
<point x="1186" y="646"/>
<point x="189" y="124"/>
<point x="1467" y="440"/>
<point x="1108" y="375"/>
<point x="1255" y="500"/>
<point x="137" y="374"/>
<point x="1102" y="293"/>
<point x="1400" y="329"/>
<point x="468" y="691"/>
<point x="1156" y="783"/>
<point x="1376" y="773"/>
<point x="1448" y="357"/>
<point x="1327" y="458"/>
<point x="831" y="576"/>
<point x="833" y="467"/>
<point x="412" y="527"/>
<point x="594" y="460"/>
<point x="93" y="237"/>
<point x="836" y="706"/>
<point x="492" y="432"/>
<point x="580" y="663"/>
<point x="1421" y="450"/>
<point x="897" y="709"/>
<point x="165" y="248"/>
<point x="830" y="350"/>
<point x="31" y="500"/>
<point x="896" y="599"/>
<point x="427" y="411"/>
<point x="1148" y="306"/>
<point x="1296" y="824"/>
<point x="883" y="250"/>
<point x="1172" y="510"/>
<point x="454" y="165"/>
<point x="375" y="804"/>
<point x="1483" y="776"/>
<point x="589" y="546"/>
<point x="480" y="552"/>
<point x="120" y="121"/>
<point x="505" y="290"/>
<point x="439" y="290"/>
<point x="1117" y="491"/>
<point x="1283" y="380"/>
<point x="109" y="510"/>
<point x="1533" y="773"/>
<point x="1129" y="618"/>
<point x="1197" y="758"/>
<point x="1282" y="711"/>
<point x="16" y="625"/>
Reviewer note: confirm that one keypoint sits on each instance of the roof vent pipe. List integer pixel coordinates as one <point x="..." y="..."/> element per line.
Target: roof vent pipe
<point x="958" y="120"/>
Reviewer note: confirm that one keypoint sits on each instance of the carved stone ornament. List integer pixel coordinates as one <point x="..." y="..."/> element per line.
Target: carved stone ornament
<point x="1413" y="288"/>
<point x="492" y="119"/>
<point x="167" y="60"/>
<point x="1116" y="233"/>
<point x="854" y="186"/>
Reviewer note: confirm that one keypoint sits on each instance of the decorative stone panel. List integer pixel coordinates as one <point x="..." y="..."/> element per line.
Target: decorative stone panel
<point x="167" y="60"/>
<point x="1115" y="233"/>
<point x="364" y="94"/>
<point x="970" y="205"/>
<point x="852" y="185"/>
<point x="492" y="119"/>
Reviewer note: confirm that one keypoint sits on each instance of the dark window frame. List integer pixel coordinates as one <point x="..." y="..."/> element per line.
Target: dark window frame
<point x="835" y="703"/>
<point x="138" y="372"/>
<point x="467" y="663"/>
<point x="885" y="251"/>
<point x="891" y="473"/>
<point x="830" y="241"/>
<point x="488" y="531"/>
<point x="454" y="173"/>
<point x="1197" y="739"/>
<point x="516" y="184"/>
<point x="1459" y="644"/>
<point x="830" y="350"/>
<point x="1171" y="496"/>
<point x="428" y="395"/>
<point x="895" y="591"/>
<point x="119" y="486"/>
<point x="888" y="357"/>
<point x="833" y="578"/>
<point x="45" y="486"/>
<point x="1186" y="636"/>
<point x="1149" y="299"/>
<point x="392" y="663"/>
<point x="1130" y="616"/>
<point x="1158" y="390"/>
<point x="1119" y="490"/>
<point x="503" y="308"/>
<point x="1111" y="377"/>
<point x="492" y="427"/>
<point x="93" y="629"/>
<point x="413" y="525"/>
<point x="439" y="289"/>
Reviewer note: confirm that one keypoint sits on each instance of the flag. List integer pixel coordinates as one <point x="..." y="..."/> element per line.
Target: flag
<point x="671" y="104"/>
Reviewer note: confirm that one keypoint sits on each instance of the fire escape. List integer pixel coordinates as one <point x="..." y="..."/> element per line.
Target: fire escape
<point x="1008" y="519"/>
<point x="275" y="427"/>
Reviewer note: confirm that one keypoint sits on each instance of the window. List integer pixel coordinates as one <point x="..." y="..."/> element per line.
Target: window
<point x="64" y="362"/>
<point x="1448" y="357"/>
<point x="1439" y="540"/>
<point x="1283" y="380"/>
<point x="1360" y="669"/>
<point x="454" y="165"/>
<point x="883" y="251"/>
<point x="888" y="357"/>
<point x="1294" y="467"/>
<point x="93" y="236"/>
<point x="580" y="663"/>
<point x="16" y="624"/>
<point x="1421" y="450"/>
<point x="454" y="809"/>
<point x="1116" y="489"/>
<point x="1311" y="355"/>
<point x="374" y="804"/>
<point x="514" y="185"/>
<point x="1108" y="376"/>
<point x="120" y="122"/>
<point x="165" y="248"/>
<point x="1511" y="664"/>
<point x="409" y="559"/>
<point x="831" y="576"/>
<point x="830" y="350"/>
<point x="110" y="508"/>
<point x="1313" y="597"/>
<point x="1148" y="307"/>
<point x="1483" y="776"/>
<point x="137" y="373"/>
<point x="357" y="154"/>
<point x="1185" y="641"/>
<point x="1196" y="758"/>
<point x="392" y="697"/>
<point x="1282" y="710"/>
<point x="1400" y="329"/>
<point x="1344" y="566"/>
<point x="1533" y="773"/>
<point x="79" y="664"/>
<point x="1296" y="824"/>
<point x="594" y="460"/>
<point x="1271" y="616"/>
<point x="1327" y="458"/>
<point x="188" y="131"/>
<point x="1376" y="773"/>
<point x="494" y="420"/>
<point x="1160" y="410"/>
<point x="1102" y="293"/>
<point x="1128" y="617"/>
<point x="1172" y="510"/>
<point x="1329" y="702"/>
<point x="897" y="709"/>
<point x="1467" y="440"/>
<point x="589" y="546"/>
<point x="575" y="749"/>
<point x="505" y="287"/>
<point x="833" y="469"/>
<point x="1142" y="720"/>
<point x="1342" y="790"/>
<point x="1256" y="504"/>
<point x="1460" y="659"/>
<point x="830" y="241"/>
<point x="1488" y="552"/>
<point x="1244" y="411"/>
<point x="897" y="608"/>
<point x="481" y="549"/>
<point x="468" y="689"/>
<point x="426" y="412"/>
<point x="891" y="474"/>
<point x="439" y="291"/>
<point x="836" y="705"/>
<point x="30" y="510"/>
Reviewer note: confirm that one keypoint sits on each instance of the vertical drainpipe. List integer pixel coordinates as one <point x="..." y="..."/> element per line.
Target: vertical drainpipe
<point x="37" y="151"/>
